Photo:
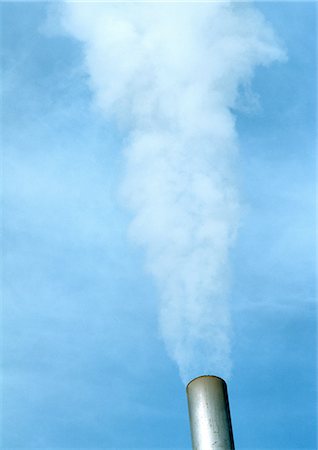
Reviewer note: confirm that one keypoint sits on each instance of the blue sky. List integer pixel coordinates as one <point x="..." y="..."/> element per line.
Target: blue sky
<point x="84" y="365"/>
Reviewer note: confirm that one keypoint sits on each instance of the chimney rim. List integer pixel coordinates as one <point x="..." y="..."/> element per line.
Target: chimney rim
<point x="205" y="376"/>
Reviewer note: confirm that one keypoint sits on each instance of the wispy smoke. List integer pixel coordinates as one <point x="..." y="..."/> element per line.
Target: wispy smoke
<point x="170" y="74"/>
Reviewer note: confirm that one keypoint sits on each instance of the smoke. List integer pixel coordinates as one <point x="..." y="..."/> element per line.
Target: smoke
<point x="170" y="74"/>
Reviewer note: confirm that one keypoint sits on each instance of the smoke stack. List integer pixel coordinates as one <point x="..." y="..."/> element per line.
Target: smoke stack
<point x="209" y="413"/>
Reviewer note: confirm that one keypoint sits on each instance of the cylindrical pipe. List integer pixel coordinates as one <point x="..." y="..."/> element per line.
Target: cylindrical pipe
<point x="209" y="413"/>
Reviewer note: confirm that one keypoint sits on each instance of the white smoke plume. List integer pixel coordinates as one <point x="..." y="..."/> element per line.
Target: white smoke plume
<point x="170" y="73"/>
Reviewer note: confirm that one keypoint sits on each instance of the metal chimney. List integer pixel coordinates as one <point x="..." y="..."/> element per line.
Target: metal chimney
<point x="209" y="413"/>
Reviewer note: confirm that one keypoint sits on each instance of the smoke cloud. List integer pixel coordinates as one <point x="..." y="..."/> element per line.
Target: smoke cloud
<point x="170" y="74"/>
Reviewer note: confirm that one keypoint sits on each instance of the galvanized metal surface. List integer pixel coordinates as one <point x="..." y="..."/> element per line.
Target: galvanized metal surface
<point x="209" y="412"/>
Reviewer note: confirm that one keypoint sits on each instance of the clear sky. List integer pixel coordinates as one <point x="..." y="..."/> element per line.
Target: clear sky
<point x="83" y="363"/>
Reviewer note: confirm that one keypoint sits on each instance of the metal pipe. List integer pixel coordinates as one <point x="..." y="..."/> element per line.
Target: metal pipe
<point x="209" y="413"/>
